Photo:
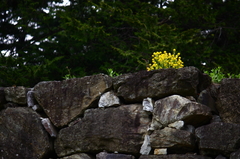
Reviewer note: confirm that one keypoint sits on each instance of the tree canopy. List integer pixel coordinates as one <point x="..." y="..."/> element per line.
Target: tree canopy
<point x="42" y="40"/>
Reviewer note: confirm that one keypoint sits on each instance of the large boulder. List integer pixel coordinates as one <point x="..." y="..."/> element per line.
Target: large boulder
<point x="113" y="129"/>
<point x="22" y="134"/>
<point x="173" y="108"/>
<point x="176" y="141"/>
<point x="187" y="81"/>
<point x="16" y="95"/>
<point x="218" y="138"/>
<point x="174" y="156"/>
<point x="228" y="103"/>
<point x="63" y="101"/>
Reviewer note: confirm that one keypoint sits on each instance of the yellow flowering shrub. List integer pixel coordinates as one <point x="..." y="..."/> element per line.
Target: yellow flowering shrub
<point x="165" y="60"/>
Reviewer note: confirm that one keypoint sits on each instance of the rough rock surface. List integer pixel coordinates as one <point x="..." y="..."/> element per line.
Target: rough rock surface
<point x="64" y="100"/>
<point x="218" y="138"/>
<point x="16" y="95"/>
<point x="22" y="134"/>
<point x="176" y="141"/>
<point x="162" y="151"/>
<point x="208" y="97"/>
<point x="175" y="107"/>
<point x="174" y="156"/>
<point x="228" y="100"/>
<point x="105" y="155"/>
<point x="79" y="156"/>
<point x="108" y="99"/>
<point x="160" y="83"/>
<point x="118" y="129"/>
<point x="49" y="127"/>
<point x="235" y="155"/>
<point x="146" y="147"/>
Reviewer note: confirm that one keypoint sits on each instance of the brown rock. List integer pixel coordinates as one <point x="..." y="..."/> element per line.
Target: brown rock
<point x="118" y="129"/>
<point x="22" y="134"/>
<point x="160" y="83"/>
<point x="175" y="107"/>
<point x="174" y="156"/>
<point x="218" y="138"/>
<point x="16" y="95"/>
<point x="228" y="103"/>
<point x="63" y="101"/>
<point x="176" y="141"/>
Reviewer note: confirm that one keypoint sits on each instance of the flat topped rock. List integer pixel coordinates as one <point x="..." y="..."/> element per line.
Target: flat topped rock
<point x="218" y="138"/>
<point x="113" y="129"/>
<point x="63" y="101"/>
<point x="187" y="81"/>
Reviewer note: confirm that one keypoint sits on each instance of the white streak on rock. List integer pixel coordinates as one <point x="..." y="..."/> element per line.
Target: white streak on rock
<point x="146" y="148"/>
<point x="147" y="104"/>
<point x="108" y="99"/>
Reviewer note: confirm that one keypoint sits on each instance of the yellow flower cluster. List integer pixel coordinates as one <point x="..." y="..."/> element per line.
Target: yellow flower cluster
<point x="165" y="60"/>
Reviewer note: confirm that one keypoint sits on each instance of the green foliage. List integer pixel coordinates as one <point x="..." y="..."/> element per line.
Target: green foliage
<point x="112" y="73"/>
<point x="217" y="75"/>
<point x="69" y="75"/>
<point x="165" y="60"/>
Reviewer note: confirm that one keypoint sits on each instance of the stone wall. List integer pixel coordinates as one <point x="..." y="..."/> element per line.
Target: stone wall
<point x="161" y="114"/>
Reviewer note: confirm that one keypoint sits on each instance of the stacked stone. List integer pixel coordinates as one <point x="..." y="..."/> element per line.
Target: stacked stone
<point x="160" y="114"/>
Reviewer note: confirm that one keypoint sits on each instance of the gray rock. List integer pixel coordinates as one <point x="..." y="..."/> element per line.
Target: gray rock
<point x="228" y="101"/>
<point x="189" y="128"/>
<point x="146" y="147"/>
<point x="220" y="157"/>
<point x="216" y="118"/>
<point x="176" y="141"/>
<point x="218" y="138"/>
<point x="108" y="99"/>
<point x="187" y="81"/>
<point x="206" y="99"/>
<point x="49" y="127"/>
<point x="30" y="99"/>
<point x="63" y="101"/>
<point x="174" y="156"/>
<point x="105" y="155"/>
<point x="79" y="156"/>
<point x="235" y="155"/>
<point x="22" y="134"/>
<point x="155" y="125"/>
<point x="175" y="107"/>
<point x="16" y="95"/>
<point x="177" y="124"/>
<point x="148" y="104"/>
<point x="37" y="108"/>
<point x="119" y="129"/>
